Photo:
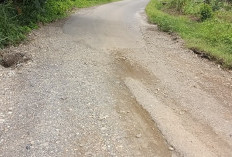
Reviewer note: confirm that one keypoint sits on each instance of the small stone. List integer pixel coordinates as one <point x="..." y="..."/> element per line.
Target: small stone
<point x="171" y="148"/>
<point x="10" y="109"/>
<point x="89" y="154"/>
<point x="63" y="98"/>
<point x="174" y="38"/>
<point x="1" y="140"/>
<point x="104" y="147"/>
<point x="2" y="121"/>
<point x="28" y="147"/>
<point x="103" y="117"/>
<point x="103" y="128"/>
<point x="181" y="112"/>
<point x="138" y="135"/>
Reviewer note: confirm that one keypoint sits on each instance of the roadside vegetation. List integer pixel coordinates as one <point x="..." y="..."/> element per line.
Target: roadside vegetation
<point x="18" y="17"/>
<point x="206" y="26"/>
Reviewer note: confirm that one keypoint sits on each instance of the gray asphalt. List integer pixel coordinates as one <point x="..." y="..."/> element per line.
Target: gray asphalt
<point x="111" y="26"/>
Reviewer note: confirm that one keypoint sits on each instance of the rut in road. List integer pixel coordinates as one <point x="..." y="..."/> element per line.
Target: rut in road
<point x="105" y="83"/>
<point x="150" y="92"/>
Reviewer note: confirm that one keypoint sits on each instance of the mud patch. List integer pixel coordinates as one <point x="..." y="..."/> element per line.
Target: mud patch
<point x="12" y="59"/>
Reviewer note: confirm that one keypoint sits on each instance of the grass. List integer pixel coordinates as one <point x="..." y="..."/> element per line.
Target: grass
<point x="212" y="36"/>
<point x="17" y="20"/>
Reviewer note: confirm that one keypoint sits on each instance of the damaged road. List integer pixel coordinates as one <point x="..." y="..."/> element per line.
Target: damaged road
<point x="104" y="82"/>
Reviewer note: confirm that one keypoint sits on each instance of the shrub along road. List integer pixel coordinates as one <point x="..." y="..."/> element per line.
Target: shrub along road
<point x="105" y="83"/>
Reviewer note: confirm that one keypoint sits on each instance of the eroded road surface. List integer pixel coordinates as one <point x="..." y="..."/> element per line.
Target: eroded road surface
<point x="104" y="82"/>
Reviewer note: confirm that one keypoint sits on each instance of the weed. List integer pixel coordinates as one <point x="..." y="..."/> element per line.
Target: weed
<point x="212" y="36"/>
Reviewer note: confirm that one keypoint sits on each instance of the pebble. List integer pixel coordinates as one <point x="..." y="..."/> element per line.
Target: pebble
<point x="27" y="147"/>
<point x="103" y="117"/>
<point x="103" y="128"/>
<point x="181" y="112"/>
<point x="138" y="135"/>
<point x="104" y="147"/>
<point x="2" y="121"/>
<point x="171" y="148"/>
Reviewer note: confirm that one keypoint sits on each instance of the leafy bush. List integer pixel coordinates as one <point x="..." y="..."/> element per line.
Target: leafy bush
<point x="206" y="12"/>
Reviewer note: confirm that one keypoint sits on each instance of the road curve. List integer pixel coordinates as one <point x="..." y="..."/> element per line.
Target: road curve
<point x="104" y="82"/>
<point x="113" y="25"/>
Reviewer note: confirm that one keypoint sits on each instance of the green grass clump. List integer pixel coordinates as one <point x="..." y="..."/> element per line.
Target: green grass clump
<point x="10" y="30"/>
<point x="206" y="12"/>
<point x="213" y="36"/>
<point x="18" y="17"/>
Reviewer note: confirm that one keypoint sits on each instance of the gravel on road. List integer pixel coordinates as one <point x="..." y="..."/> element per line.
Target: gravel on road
<point x="105" y="83"/>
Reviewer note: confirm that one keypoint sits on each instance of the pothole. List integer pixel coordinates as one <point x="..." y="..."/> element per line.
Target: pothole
<point x="12" y="59"/>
